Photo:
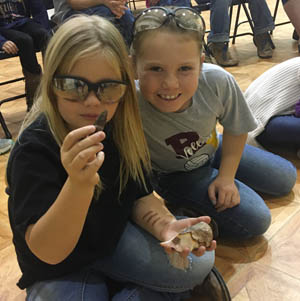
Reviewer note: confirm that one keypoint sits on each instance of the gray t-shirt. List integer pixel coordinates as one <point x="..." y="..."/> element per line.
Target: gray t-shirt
<point x="186" y="140"/>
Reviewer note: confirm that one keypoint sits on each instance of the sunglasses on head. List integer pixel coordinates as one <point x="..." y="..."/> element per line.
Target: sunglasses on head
<point x="77" y="89"/>
<point x="157" y="16"/>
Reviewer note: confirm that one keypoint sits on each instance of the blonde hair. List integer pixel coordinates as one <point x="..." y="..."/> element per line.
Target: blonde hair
<point x="80" y="37"/>
<point x="171" y="27"/>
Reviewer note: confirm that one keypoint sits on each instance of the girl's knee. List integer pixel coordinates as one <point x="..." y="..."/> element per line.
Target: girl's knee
<point x="199" y="268"/>
<point x="287" y="177"/>
<point x="25" y="42"/>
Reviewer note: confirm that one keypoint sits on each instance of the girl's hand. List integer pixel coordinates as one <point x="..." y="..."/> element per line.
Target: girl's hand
<point x="82" y="156"/>
<point x="173" y="228"/>
<point x="10" y="47"/>
<point x="117" y="7"/>
<point x="223" y="193"/>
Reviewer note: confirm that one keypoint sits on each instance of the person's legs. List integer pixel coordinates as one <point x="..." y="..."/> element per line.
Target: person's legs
<point x="281" y="130"/>
<point x="263" y="23"/>
<point x="39" y="34"/>
<point x="140" y="259"/>
<point x="26" y="48"/>
<point x="90" y="285"/>
<point x="124" y="24"/>
<point x="189" y="189"/>
<point x="219" y="21"/>
<point x="263" y="171"/>
<point x="261" y="16"/>
<point x="218" y="37"/>
<point x="292" y="9"/>
<point x="30" y="66"/>
<point x="85" y="285"/>
<point x="186" y="3"/>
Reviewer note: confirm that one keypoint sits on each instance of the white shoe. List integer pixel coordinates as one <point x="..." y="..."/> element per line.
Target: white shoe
<point x="5" y="145"/>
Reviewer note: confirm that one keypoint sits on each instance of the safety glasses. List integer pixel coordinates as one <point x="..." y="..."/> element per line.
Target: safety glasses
<point x="157" y="16"/>
<point x="77" y="89"/>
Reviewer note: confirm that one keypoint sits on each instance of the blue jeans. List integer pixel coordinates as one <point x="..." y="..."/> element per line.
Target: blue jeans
<point x="219" y="19"/>
<point x="124" y="24"/>
<point x="281" y="131"/>
<point x="186" y="3"/>
<point x="258" y="170"/>
<point x="140" y="263"/>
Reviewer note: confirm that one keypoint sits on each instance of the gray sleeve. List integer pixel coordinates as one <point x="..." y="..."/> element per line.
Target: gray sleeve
<point x="236" y="116"/>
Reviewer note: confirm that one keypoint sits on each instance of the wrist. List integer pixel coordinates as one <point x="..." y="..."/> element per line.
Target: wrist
<point x="163" y="226"/>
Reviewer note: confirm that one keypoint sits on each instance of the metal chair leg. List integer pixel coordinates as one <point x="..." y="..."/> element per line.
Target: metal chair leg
<point x="5" y="128"/>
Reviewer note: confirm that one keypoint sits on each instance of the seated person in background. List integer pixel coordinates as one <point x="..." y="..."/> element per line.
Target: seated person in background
<point x="115" y="10"/>
<point x="22" y="35"/>
<point x="292" y="9"/>
<point x="274" y="98"/>
<point x="218" y="37"/>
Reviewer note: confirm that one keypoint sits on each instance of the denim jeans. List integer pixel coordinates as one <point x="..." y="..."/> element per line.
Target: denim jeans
<point x="139" y="260"/>
<point x="124" y="24"/>
<point x="219" y="19"/>
<point x="281" y="131"/>
<point x="186" y="3"/>
<point x="258" y="170"/>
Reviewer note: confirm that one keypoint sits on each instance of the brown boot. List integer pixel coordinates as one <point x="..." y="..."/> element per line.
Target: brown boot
<point x="264" y="45"/>
<point x="222" y="54"/>
<point x="213" y="288"/>
<point x="32" y="81"/>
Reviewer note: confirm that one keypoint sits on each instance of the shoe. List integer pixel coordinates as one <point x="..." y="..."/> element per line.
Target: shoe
<point x="295" y="35"/>
<point x="264" y="45"/>
<point x="5" y="145"/>
<point x="213" y="288"/>
<point x="222" y="54"/>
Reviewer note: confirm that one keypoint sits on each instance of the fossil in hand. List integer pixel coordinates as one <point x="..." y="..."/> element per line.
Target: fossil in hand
<point x="192" y="237"/>
<point x="101" y="121"/>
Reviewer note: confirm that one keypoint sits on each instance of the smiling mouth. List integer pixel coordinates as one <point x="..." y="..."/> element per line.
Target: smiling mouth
<point x="169" y="97"/>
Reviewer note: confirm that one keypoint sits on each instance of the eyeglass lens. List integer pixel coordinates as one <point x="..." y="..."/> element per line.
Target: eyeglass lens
<point x="77" y="89"/>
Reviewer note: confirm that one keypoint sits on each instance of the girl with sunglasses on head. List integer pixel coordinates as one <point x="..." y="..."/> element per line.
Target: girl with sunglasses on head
<point x="181" y="101"/>
<point x="81" y="206"/>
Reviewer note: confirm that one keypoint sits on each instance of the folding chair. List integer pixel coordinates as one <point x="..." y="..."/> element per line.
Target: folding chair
<point x="4" y="56"/>
<point x="204" y="5"/>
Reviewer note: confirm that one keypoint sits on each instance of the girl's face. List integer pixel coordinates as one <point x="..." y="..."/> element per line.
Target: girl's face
<point x="78" y="114"/>
<point x="168" y="69"/>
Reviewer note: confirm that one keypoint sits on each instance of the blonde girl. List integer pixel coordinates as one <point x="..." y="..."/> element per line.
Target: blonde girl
<point x="80" y="203"/>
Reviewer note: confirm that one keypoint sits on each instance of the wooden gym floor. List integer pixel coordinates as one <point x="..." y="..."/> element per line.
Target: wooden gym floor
<point x="263" y="269"/>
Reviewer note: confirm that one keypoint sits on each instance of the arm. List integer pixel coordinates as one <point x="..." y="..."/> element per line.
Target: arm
<point x="151" y="214"/>
<point x="82" y="4"/>
<point x="117" y="7"/>
<point x="232" y="149"/>
<point x="53" y="237"/>
<point x="9" y="46"/>
<point x="223" y="192"/>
